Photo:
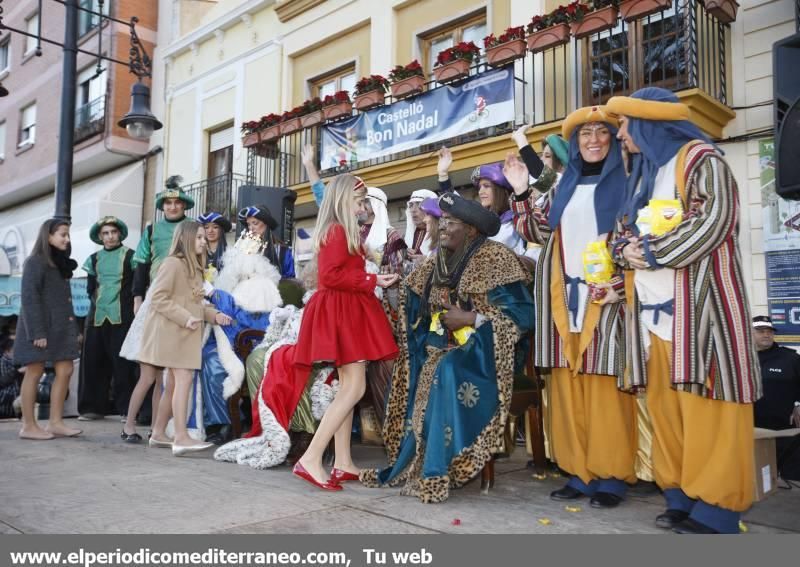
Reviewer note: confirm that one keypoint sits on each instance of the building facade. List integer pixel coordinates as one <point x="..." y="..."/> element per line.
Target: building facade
<point x="231" y="61"/>
<point x="109" y="166"/>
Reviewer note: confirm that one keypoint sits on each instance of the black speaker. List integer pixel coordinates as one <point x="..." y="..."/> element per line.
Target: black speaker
<point x="786" y="91"/>
<point x="279" y="201"/>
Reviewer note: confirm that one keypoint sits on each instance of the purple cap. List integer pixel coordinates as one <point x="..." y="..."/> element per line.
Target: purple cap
<point x="494" y="173"/>
<point x="430" y="206"/>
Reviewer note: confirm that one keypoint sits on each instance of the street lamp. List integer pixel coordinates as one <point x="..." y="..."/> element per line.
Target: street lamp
<point x="139" y="121"/>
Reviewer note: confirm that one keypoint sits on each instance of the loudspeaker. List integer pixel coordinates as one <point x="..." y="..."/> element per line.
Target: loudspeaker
<point x="786" y="90"/>
<point x="279" y="201"/>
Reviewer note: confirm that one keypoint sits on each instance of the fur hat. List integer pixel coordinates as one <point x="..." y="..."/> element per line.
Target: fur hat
<point x="471" y="212"/>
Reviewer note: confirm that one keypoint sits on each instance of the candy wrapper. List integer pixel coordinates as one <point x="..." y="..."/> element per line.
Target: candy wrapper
<point x="659" y="216"/>
<point x="598" y="267"/>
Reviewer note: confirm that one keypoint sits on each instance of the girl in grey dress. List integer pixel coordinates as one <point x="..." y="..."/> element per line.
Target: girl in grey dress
<point x="47" y="330"/>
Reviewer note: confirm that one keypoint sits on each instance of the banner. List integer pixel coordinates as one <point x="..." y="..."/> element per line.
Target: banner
<point x="443" y="113"/>
<point x="11" y="296"/>
<point x="781" y="228"/>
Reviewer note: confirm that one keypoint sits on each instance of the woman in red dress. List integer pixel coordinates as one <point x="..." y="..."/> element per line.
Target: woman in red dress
<point x="343" y="325"/>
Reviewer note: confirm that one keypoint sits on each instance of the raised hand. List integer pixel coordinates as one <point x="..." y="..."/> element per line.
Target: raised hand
<point x="519" y="137"/>
<point x="516" y="173"/>
<point x="445" y="161"/>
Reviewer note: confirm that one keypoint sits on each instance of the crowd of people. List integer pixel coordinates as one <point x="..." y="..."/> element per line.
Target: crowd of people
<point x="611" y="259"/>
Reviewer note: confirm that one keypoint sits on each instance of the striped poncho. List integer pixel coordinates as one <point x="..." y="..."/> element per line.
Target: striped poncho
<point x="713" y="354"/>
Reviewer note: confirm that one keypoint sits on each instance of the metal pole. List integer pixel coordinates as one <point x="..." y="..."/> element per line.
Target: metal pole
<point x="66" y="134"/>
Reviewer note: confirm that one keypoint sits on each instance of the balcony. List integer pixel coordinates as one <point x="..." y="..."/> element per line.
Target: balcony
<point x="90" y="119"/>
<point x="214" y="194"/>
<point x="682" y="48"/>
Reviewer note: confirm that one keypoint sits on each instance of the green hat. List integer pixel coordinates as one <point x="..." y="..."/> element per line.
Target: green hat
<point x="94" y="232"/>
<point x="173" y="191"/>
<point x="559" y="147"/>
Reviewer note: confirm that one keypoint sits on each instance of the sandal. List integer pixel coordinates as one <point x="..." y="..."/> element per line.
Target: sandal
<point x="131" y="437"/>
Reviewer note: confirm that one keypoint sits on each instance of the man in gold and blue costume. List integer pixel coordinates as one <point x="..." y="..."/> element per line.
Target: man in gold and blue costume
<point x="463" y="316"/>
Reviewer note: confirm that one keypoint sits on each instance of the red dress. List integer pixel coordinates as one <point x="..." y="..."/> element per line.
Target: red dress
<point x="343" y="322"/>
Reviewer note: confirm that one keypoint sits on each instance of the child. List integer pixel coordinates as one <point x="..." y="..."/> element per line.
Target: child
<point x="173" y="333"/>
<point x="47" y="330"/>
<point x="343" y="325"/>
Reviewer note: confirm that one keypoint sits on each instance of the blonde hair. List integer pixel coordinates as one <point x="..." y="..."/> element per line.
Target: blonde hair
<point x="337" y="208"/>
<point x="183" y="247"/>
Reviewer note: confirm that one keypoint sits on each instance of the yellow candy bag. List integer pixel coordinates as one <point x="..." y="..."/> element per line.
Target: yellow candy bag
<point x="598" y="267"/>
<point x="659" y="216"/>
<point x="461" y="335"/>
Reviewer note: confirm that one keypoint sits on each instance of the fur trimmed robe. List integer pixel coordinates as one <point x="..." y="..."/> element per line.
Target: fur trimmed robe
<point x="448" y="405"/>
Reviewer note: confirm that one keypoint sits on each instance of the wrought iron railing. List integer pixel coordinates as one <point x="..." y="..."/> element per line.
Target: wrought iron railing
<point x="679" y="48"/>
<point x="213" y="194"/>
<point x="90" y="119"/>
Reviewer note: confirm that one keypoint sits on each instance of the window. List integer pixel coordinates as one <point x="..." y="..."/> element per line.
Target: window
<point x="2" y="141"/>
<point x="90" y="99"/>
<point x="343" y="79"/>
<point x="4" y="57"/>
<point x="471" y="28"/>
<point x="218" y="195"/>
<point x="27" y="125"/>
<point x="31" y="27"/>
<point x="87" y="21"/>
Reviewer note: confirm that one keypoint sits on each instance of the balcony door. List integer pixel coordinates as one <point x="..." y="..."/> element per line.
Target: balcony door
<point x="220" y="171"/>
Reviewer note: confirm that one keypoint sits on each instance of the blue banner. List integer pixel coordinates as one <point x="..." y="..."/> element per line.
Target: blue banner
<point x="443" y="113"/>
<point x="11" y="296"/>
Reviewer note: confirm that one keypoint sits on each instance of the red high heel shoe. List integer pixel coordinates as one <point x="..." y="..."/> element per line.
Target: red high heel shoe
<point x="338" y="475"/>
<point x="300" y="472"/>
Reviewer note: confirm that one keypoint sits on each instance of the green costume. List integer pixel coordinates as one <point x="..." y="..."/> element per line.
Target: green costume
<point x="112" y="271"/>
<point x="153" y="248"/>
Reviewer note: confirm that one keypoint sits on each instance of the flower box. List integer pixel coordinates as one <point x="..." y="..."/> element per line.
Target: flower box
<point x="407" y="87"/>
<point x="505" y="53"/>
<point x="338" y="110"/>
<point x="271" y="133"/>
<point x="369" y="99"/>
<point x="452" y="71"/>
<point x="723" y="10"/>
<point x="312" y="119"/>
<point x="637" y="9"/>
<point x="250" y="139"/>
<point x="595" y="22"/>
<point x="549" y="37"/>
<point x="290" y="126"/>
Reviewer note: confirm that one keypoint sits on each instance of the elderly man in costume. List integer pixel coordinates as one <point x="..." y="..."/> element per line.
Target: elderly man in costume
<point x="463" y="313"/>
<point x="109" y="286"/>
<point x="247" y="291"/>
<point x="259" y="220"/>
<point x="216" y="226"/>
<point x="579" y="328"/>
<point x="688" y="318"/>
<point x="153" y="247"/>
<point x="417" y="238"/>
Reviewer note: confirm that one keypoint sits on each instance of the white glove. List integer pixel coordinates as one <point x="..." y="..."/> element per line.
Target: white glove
<point x="208" y="289"/>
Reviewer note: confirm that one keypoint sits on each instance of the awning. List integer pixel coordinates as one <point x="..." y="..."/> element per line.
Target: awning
<point x="118" y="193"/>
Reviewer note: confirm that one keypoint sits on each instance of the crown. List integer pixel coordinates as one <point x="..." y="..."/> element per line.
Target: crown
<point x="250" y="243"/>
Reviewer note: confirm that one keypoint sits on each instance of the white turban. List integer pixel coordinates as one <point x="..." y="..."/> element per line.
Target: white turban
<point x="417" y="197"/>
<point x="376" y="239"/>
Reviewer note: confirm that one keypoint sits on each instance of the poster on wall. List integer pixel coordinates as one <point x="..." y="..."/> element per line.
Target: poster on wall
<point x="781" y="250"/>
<point x="443" y="113"/>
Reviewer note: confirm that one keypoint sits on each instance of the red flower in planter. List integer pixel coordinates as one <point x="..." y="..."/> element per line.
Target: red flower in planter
<point x="401" y="72"/>
<point x="511" y="34"/>
<point x="336" y="98"/>
<point x="467" y="51"/>
<point x="371" y="83"/>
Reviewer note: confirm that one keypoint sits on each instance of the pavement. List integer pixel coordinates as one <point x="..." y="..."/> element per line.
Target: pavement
<point x="97" y="484"/>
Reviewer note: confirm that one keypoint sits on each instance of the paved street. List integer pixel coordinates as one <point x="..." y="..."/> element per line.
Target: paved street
<point x="97" y="484"/>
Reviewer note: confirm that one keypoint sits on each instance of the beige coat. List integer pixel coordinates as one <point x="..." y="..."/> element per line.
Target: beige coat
<point x="174" y="298"/>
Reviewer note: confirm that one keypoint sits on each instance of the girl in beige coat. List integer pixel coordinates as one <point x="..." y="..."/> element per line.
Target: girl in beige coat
<point x="173" y="332"/>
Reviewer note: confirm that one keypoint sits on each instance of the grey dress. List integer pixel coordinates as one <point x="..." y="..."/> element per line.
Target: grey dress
<point x="46" y="312"/>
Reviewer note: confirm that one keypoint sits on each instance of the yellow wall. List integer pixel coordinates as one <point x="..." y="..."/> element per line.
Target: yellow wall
<point x="182" y="116"/>
<point x="418" y="17"/>
<point x="328" y="55"/>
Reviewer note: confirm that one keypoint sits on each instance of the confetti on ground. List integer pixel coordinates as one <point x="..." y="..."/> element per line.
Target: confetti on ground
<point x="456" y="522"/>
<point x="743" y="527"/>
<point x="572" y="508"/>
<point x="539" y="476"/>
<point x="544" y="521"/>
